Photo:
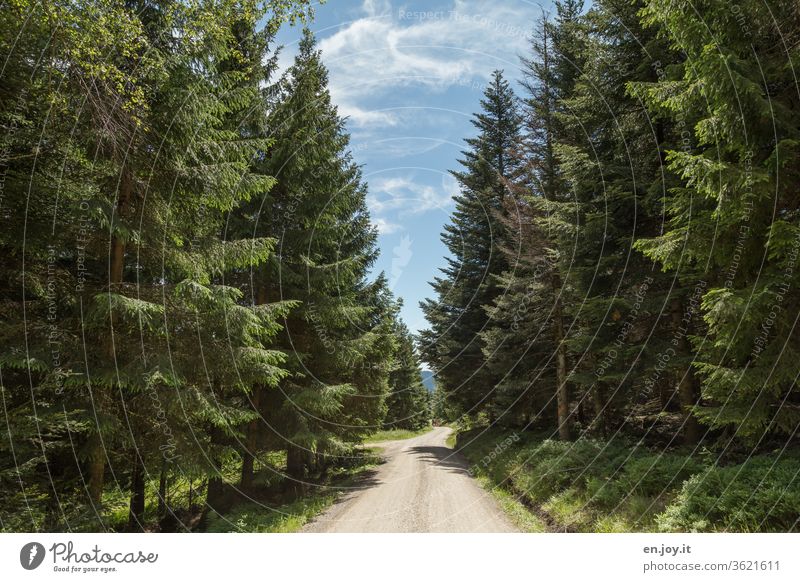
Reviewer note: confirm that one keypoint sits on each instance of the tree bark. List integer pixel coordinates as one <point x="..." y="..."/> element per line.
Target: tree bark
<point x="295" y="464"/>
<point x="599" y="405"/>
<point x="687" y="394"/>
<point x="97" y="461"/>
<point x="216" y="489"/>
<point x="137" y="502"/>
<point x="162" y="492"/>
<point x="562" y="394"/>
<point x="687" y="383"/>
<point x="251" y="443"/>
<point x="253" y="428"/>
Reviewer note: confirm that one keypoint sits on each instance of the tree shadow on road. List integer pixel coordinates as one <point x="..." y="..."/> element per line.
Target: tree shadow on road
<point x="443" y="457"/>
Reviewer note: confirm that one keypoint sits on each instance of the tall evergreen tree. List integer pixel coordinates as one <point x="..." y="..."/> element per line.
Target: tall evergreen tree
<point x="142" y="164"/>
<point x="408" y="403"/>
<point x="453" y="346"/>
<point x="732" y="217"/>
<point x="317" y="213"/>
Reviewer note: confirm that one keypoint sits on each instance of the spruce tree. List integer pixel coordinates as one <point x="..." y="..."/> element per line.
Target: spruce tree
<point x="453" y="346"/>
<point x="408" y="402"/>
<point x="325" y="246"/>
<point x="732" y="222"/>
<point x="141" y="167"/>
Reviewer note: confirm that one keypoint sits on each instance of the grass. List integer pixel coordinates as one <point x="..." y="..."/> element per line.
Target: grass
<point x="398" y="434"/>
<point x="263" y="518"/>
<point x="520" y="516"/>
<point x="291" y="516"/>
<point x="620" y="486"/>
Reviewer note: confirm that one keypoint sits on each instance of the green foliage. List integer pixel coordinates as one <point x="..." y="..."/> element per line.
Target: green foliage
<point x="396" y="434"/>
<point x="760" y="495"/>
<point x="452" y="346"/>
<point x="150" y="354"/>
<point x="595" y="485"/>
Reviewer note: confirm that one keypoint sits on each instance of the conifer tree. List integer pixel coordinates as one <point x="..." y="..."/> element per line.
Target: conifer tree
<point x="325" y="246"/>
<point x="140" y="169"/>
<point x="732" y="221"/>
<point x="408" y="403"/>
<point x="544" y="199"/>
<point x="452" y="345"/>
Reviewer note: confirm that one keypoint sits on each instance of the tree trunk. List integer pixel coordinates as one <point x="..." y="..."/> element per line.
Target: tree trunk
<point x="251" y="443"/>
<point x="295" y="464"/>
<point x="562" y="394"/>
<point x="97" y="461"/>
<point x="599" y="405"/>
<point x="216" y="489"/>
<point x="687" y="383"/>
<point x="687" y="394"/>
<point x="162" y="492"/>
<point x="137" y="502"/>
<point x="251" y="438"/>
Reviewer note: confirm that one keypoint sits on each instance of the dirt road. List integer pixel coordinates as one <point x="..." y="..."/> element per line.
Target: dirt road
<point x="423" y="487"/>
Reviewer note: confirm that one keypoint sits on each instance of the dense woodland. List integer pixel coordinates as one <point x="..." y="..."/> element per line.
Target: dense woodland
<point x="187" y="316"/>
<point x="624" y="255"/>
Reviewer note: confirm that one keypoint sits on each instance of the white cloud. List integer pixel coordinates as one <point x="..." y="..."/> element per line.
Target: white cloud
<point x="376" y="7"/>
<point x="384" y="226"/>
<point x="360" y="117"/>
<point x="405" y="196"/>
<point x="389" y="49"/>
<point x="399" y="147"/>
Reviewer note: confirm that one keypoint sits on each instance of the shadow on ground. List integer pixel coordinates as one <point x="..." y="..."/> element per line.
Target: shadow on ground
<point x="444" y="457"/>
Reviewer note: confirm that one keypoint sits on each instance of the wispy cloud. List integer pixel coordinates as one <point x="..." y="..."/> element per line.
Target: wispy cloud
<point x="405" y="196"/>
<point x="360" y="117"/>
<point x="384" y="226"/>
<point x="387" y="49"/>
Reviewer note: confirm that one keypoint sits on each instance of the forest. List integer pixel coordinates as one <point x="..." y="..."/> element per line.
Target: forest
<point x="622" y="293"/>
<point x="192" y="328"/>
<point x="187" y="320"/>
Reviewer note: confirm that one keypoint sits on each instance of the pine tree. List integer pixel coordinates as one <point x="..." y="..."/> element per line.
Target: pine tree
<point x="141" y="167"/>
<point x="453" y="346"/>
<point x="408" y="403"/>
<point x="731" y="217"/>
<point x="610" y="162"/>
<point x="545" y="202"/>
<point x="317" y="213"/>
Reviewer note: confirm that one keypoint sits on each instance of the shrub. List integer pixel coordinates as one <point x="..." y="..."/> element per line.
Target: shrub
<point x="760" y="495"/>
<point x="554" y="466"/>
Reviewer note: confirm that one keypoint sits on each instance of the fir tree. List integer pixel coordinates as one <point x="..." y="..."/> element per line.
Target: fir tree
<point x="732" y="218"/>
<point x="452" y="345"/>
<point x="408" y="403"/>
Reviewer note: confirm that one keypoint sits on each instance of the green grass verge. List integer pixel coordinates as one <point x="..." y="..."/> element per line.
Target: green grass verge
<point x="290" y="517"/>
<point x="396" y="434"/>
<point x="619" y="486"/>
<point x="263" y="518"/>
<point x="524" y="520"/>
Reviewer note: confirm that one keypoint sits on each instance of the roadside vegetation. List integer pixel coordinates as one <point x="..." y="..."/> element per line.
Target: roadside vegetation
<point x="161" y="363"/>
<point x="396" y="434"/>
<point x="596" y="485"/>
<point x="622" y="283"/>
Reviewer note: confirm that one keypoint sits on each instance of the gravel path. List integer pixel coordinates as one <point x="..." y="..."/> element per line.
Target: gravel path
<point x="424" y="486"/>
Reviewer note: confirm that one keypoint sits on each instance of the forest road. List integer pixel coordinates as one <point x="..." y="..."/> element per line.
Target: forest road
<point x="423" y="486"/>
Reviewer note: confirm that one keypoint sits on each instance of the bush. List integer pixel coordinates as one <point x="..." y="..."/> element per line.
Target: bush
<point x="653" y="475"/>
<point x="761" y="495"/>
<point x="553" y="466"/>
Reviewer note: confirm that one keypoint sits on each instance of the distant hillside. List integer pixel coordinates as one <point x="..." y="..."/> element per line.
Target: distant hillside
<point x="428" y="380"/>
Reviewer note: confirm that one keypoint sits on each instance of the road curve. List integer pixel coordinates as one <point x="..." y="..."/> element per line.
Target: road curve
<point x="422" y="487"/>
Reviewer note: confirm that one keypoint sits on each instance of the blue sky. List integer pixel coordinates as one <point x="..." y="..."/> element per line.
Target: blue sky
<point x="409" y="75"/>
